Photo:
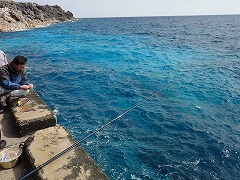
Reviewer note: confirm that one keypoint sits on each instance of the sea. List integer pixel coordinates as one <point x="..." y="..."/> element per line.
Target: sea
<point x="170" y="86"/>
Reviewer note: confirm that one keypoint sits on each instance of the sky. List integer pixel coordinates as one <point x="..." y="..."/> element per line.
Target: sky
<point x="132" y="8"/>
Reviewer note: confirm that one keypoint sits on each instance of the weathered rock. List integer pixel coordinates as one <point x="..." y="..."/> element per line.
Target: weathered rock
<point x="16" y="16"/>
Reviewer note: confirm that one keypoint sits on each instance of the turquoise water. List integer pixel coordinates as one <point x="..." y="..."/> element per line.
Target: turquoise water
<point x="93" y="70"/>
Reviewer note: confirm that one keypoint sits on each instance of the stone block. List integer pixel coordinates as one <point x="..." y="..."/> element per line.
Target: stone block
<point x="76" y="164"/>
<point x="30" y="114"/>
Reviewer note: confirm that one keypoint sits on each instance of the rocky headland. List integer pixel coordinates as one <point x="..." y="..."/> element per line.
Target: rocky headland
<point x="15" y="16"/>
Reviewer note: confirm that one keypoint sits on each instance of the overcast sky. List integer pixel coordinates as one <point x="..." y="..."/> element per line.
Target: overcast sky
<point x="126" y="8"/>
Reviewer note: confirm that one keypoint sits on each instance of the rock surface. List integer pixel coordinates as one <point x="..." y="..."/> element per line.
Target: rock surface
<point x="15" y="16"/>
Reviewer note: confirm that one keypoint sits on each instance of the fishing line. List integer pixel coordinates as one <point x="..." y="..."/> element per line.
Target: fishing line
<point x="89" y="135"/>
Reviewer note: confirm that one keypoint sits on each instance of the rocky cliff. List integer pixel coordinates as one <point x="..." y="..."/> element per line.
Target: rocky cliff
<point x="16" y="16"/>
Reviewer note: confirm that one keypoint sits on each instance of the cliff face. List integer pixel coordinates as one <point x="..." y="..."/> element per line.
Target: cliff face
<point x="17" y="15"/>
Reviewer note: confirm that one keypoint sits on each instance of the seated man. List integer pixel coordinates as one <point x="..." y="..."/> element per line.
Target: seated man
<point x="13" y="80"/>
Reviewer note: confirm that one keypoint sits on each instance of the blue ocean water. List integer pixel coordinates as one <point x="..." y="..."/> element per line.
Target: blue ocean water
<point x="93" y="70"/>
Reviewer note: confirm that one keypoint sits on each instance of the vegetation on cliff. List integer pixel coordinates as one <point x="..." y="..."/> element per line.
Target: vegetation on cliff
<point x="16" y="16"/>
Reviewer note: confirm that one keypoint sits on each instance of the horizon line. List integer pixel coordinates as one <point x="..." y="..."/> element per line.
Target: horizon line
<point x="157" y="16"/>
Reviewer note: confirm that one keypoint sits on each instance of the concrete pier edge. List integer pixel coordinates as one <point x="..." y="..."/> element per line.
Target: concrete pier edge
<point x="32" y="118"/>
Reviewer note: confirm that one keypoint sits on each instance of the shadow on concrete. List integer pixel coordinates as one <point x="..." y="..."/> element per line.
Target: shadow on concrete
<point x="9" y="134"/>
<point x="7" y="126"/>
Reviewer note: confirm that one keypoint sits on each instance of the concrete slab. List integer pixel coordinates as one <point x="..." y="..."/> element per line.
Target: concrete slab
<point x="75" y="164"/>
<point x="31" y="114"/>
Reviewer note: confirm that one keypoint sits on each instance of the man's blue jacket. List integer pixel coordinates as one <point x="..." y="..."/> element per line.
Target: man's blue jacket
<point x="11" y="79"/>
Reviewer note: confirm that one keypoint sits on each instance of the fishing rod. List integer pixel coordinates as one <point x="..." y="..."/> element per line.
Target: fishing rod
<point x="89" y="135"/>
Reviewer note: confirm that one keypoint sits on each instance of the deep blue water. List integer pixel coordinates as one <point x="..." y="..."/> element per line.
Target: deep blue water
<point x="93" y="70"/>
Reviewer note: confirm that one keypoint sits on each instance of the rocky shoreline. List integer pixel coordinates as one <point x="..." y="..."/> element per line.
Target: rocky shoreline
<point x="15" y="16"/>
